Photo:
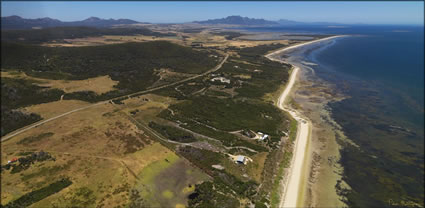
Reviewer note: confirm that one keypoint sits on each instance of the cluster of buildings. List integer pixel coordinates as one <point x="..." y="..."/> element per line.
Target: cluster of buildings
<point x="262" y="136"/>
<point x="221" y="79"/>
<point x="241" y="159"/>
<point x="257" y="136"/>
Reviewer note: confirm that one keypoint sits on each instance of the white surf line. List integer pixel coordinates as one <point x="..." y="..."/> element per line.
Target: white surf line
<point x="299" y="45"/>
<point x="291" y="189"/>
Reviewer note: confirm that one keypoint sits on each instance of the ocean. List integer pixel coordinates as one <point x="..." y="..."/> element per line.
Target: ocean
<point x="380" y="72"/>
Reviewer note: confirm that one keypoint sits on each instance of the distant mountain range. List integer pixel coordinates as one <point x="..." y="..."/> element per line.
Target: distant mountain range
<point x="238" y="20"/>
<point x="16" y="22"/>
<point x="245" y="21"/>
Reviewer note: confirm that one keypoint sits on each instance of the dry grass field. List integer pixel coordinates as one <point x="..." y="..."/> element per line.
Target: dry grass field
<point x="99" y="149"/>
<point x="146" y="107"/>
<point x="98" y="85"/>
<point x="49" y="110"/>
<point x="110" y="161"/>
<point x="206" y="37"/>
<point x="255" y="169"/>
<point x="109" y="39"/>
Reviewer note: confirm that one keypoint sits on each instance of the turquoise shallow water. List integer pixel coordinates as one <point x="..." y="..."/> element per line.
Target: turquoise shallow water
<point x="381" y="70"/>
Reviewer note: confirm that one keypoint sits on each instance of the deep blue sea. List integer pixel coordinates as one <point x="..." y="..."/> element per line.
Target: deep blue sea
<point x="381" y="70"/>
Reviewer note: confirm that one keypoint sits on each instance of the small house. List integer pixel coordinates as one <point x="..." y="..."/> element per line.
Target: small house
<point x="12" y="160"/>
<point x="264" y="137"/>
<point x="240" y="159"/>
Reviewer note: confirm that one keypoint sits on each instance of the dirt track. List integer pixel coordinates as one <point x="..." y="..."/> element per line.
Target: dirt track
<point x="24" y="129"/>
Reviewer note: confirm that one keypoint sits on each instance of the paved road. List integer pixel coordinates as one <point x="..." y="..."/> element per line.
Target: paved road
<point x="24" y="129"/>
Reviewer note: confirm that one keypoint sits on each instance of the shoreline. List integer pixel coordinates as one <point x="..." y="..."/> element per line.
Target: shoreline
<point x="299" y="45"/>
<point x="294" y="185"/>
<point x="324" y="172"/>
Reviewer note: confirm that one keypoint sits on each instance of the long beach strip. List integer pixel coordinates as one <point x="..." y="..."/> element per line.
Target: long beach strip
<point x="291" y="184"/>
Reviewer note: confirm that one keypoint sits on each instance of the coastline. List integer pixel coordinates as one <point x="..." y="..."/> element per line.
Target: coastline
<point x="324" y="172"/>
<point x="294" y="185"/>
<point x="344" y="99"/>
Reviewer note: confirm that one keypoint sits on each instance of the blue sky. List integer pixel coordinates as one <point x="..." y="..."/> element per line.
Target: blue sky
<point x="177" y="12"/>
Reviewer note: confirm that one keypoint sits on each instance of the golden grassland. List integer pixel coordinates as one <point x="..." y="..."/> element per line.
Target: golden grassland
<point x="146" y="107"/>
<point x="206" y="37"/>
<point x="98" y="85"/>
<point x="109" y="39"/>
<point x="49" y="110"/>
<point x="96" y="148"/>
<point x="103" y="152"/>
<point x="255" y="168"/>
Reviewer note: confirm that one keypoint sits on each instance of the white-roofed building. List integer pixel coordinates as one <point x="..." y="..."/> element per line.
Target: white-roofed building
<point x="241" y="159"/>
<point x="265" y="136"/>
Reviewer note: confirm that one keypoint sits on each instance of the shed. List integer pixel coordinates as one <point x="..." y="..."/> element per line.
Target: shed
<point x="265" y="136"/>
<point x="241" y="159"/>
<point x="12" y="160"/>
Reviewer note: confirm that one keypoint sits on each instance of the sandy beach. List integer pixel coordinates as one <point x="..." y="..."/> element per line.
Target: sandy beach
<point x="323" y="153"/>
<point x="293" y="186"/>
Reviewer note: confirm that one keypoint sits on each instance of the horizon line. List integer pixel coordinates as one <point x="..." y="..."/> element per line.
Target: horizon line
<point x="192" y="21"/>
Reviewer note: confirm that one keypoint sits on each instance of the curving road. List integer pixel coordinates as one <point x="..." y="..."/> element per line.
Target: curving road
<point x="24" y="129"/>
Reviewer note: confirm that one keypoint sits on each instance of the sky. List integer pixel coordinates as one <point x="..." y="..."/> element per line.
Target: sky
<point x="187" y="11"/>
